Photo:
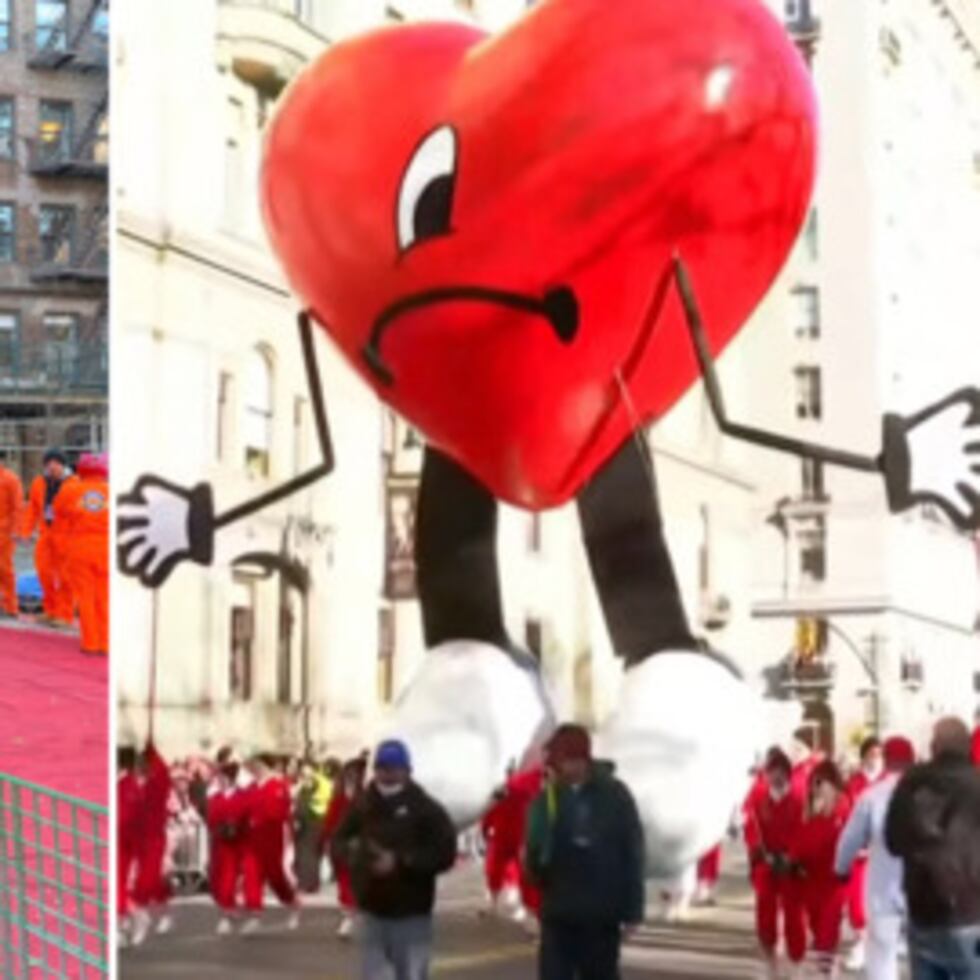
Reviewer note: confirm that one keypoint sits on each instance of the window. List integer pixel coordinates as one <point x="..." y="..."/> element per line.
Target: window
<point x="8" y="232"/>
<point x="808" y="393"/>
<point x="225" y="399"/>
<point x="812" y="537"/>
<point x="811" y="236"/>
<point x="533" y="636"/>
<point x="56" y="232"/>
<point x="299" y="435"/>
<point x="534" y="534"/>
<point x="242" y="641"/>
<point x="813" y="485"/>
<point x="806" y="300"/>
<point x="287" y="624"/>
<point x="386" y="655"/>
<point x="55" y="130"/>
<point x="52" y="25"/>
<point x="100" y="20"/>
<point x="6" y="128"/>
<point x="258" y="413"/>
<point x="5" y="25"/>
<point x="9" y="332"/>
<point x="60" y="344"/>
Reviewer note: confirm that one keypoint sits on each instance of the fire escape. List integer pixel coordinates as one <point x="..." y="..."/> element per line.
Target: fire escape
<point x="54" y="383"/>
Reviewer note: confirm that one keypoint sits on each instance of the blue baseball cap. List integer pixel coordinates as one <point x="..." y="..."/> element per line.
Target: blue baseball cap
<point x="392" y="754"/>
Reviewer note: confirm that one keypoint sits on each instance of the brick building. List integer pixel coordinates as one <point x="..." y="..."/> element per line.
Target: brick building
<point x="53" y="227"/>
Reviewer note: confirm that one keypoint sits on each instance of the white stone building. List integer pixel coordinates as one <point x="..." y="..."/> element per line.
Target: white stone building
<point x="209" y="386"/>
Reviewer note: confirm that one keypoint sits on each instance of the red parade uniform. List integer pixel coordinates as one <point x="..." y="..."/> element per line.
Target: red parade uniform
<point x="267" y="809"/>
<point x="976" y="746"/>
<point x="129" y="809"/>
<point x="771" y="827"/>
<point x="824" y="896"/>
<point x="709" y="867"/>
<point x="151" y="886"/>
<point x="340" y="804"/>
<point x="856" y="891"/>
<point x="504" y="828"/>
<point x="226" y="815"/>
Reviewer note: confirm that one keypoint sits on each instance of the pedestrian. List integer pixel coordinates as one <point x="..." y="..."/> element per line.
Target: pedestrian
<point x="708" y="874"/>
<point x="806" y="756"/>
<point x="50" y="548"/>
<point x="864" y="832"/>
<point x="773" y="819"/>
<point x="584" y="850"/>
<point x="151" y="893"/>
<point x="812" y="854"/>
<point x="81" y="513"/>
<point x="129" y="794"/>
<point x="933" y="825"/>
<point x="267" y="808"/>
<point x="226" y="819"/>
<point x="871" y="770"/>
<point x="312" y="799"/>
<point x="347" y="790"/>
<point x="397" y="840"/>
<point x="11" y="505"/>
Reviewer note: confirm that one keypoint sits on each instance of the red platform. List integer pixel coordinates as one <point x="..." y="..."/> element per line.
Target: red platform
<point x="54" y="707"/>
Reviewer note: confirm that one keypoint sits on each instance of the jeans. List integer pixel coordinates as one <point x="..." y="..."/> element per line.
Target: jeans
<point x="945" y="954"/>
<point x="579" y="951"/>
<point x="883" y="939"/>
<point x="396" y="949"/>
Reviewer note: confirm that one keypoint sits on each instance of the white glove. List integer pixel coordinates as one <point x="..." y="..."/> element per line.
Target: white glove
<point x="934" y="457"/>
<point x="160" y="525"/>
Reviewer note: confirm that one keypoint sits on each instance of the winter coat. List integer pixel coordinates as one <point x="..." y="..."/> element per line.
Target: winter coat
<point x="413" y="827"/>
<point x="584" y="849"/>
<point x="933" y="824"/>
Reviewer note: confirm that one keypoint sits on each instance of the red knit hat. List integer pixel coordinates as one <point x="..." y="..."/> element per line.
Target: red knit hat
<point x="898" y="752"/>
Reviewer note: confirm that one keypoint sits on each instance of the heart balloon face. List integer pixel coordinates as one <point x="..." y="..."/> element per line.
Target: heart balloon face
<point x="486" y="226"/>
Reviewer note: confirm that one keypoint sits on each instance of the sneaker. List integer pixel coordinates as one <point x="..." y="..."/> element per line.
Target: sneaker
<point x="519" y="914"/>
<point x="165" y="924"/>
<point x="250" y="927"/>
<point x="141" y="927"/>
<point x="856" y="957"/>
<point x="346" y="928"/>
<point x="292" y="923"/>
<point x="225" y="927"/>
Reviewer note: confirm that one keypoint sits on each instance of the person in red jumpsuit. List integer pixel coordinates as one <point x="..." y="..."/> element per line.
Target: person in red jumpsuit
<point x="975" y="749"/>
<point x="806" y="756"/>
<point x="504" y="828"/>
<point x="347" y="789"/>
<point x="871" y="771"/>
<point x="268" y="810"/>
<point x="226" y="816"/>
<point x="151" y="893"/>
<point x="129" y="808"/>
<point x="709" y="871"/>
<point x="773" y="819"/>
<point x="813" y="852"/>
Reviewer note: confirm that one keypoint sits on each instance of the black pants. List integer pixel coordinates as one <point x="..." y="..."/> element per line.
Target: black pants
<point x="579" y="951"/>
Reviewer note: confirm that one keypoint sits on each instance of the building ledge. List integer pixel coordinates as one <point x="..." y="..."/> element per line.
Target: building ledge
<point x="265" y="43"/>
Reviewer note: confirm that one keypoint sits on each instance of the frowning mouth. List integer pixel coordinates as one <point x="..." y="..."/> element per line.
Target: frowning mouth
<point x="559" y="307"/>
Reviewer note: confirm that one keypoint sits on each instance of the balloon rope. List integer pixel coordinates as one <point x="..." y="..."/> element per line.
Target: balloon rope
<point x="636" y="427"/>
<point x="151" y="704"/>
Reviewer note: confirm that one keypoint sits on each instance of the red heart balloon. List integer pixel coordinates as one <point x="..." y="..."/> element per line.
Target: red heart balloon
<point x="486" y="226"/>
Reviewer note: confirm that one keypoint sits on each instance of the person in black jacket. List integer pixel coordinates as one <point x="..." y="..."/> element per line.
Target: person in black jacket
<point x="396" y="840"/>
<point x="584" y="849"/>
<point x="933" y="824"/>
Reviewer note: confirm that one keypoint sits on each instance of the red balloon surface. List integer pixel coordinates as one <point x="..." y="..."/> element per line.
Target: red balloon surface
<point x="486" y="226"/>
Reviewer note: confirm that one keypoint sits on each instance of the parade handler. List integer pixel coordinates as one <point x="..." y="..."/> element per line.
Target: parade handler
<point x="11" y="503"/>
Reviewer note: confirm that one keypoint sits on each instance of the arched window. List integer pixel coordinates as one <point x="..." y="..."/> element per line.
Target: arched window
<point x="259" y="414"/>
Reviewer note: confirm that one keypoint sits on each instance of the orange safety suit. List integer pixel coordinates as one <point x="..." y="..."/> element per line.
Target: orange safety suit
<point x="50" y="550"/>
<point x="81" y="513"/>
<point x="11" y="505"/>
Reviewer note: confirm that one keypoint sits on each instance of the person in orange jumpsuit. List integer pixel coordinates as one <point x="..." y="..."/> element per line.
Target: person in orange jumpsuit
<point x="226" y="823"/>
<point x="151" y="892"/>
<point x="51" y="546"/>
<point x="81" y="514"/>
<point x="11" y="505"/>
<point x="871" y="771"/>
<point x="268" y="809"/>
<point x="773" y="819"/>
<point x="812" y="853"/>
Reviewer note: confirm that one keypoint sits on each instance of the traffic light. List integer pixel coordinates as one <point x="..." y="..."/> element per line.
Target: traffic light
<point x="807" y="639"/>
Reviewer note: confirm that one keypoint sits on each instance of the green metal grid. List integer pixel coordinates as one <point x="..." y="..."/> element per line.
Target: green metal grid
<point x="54" y="885"/>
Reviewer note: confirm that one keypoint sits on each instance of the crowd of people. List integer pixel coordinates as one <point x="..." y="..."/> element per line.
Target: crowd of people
<point x="66" y="515"/>
<point x="890" y="847"/>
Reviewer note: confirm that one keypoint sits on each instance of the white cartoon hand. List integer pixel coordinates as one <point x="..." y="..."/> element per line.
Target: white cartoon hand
<point x="160" y="525"/>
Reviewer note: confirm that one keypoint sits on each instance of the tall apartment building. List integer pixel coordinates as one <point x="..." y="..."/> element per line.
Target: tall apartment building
<point x="54" y="157"/>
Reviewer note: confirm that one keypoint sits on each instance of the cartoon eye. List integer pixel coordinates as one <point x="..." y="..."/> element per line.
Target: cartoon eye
<point x="425" y="200"/>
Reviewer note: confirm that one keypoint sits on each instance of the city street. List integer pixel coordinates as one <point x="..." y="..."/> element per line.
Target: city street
<point x="716" y="943"/>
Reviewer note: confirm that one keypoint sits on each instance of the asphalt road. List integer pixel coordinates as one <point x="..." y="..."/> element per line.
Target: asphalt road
<point x="717" y="944"/>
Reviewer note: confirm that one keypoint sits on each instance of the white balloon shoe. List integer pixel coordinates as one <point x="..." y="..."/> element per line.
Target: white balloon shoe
<point x="683" y="739"/>
<point x="470" y="710"/>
